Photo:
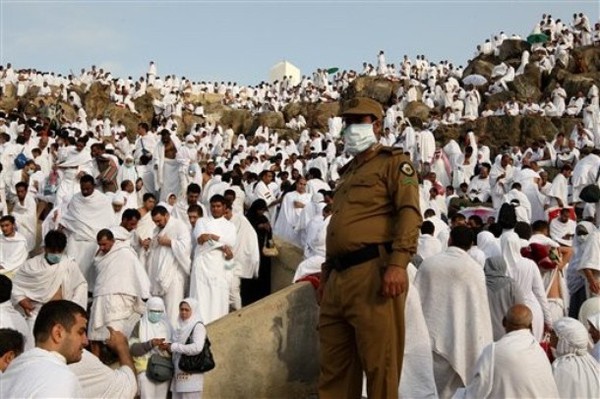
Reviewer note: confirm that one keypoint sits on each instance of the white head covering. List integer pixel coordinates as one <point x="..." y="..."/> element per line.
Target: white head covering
<point x="511" y="244"/>
<point x="594" y="320"/>
<point x="589" y="307"/>
<point x="489" y="244"/>
<point x="185" y="327"/>
<point x="118" y="198"/>
<point x="572" y="337"/>
<point x="161" y="329"/>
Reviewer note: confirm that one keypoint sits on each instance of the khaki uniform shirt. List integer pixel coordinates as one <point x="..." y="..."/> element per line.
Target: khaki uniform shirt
<point x="376" y="201"/>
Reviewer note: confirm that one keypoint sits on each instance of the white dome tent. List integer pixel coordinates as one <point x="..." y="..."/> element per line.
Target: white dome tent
<point x="285" y="68"/>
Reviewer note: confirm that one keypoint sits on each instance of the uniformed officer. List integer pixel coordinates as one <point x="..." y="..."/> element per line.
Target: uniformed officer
<point x="371" y="237"/>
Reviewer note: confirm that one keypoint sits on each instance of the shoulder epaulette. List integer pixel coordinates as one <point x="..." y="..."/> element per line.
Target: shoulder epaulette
<point x="392" y="150"/>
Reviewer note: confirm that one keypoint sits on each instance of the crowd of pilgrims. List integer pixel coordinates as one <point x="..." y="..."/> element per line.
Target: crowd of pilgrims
<point x="129" y="229"/>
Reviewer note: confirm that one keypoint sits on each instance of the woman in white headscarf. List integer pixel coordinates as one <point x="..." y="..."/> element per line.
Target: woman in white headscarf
<point x="529" y="280"/>
<point x="152" y="330"/>
<point x="575" y="370"/>
<point x="185" y="385"/>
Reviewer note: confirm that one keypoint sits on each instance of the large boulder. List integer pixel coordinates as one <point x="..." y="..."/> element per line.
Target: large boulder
<point x="374" y="87"/>
<point x="189" y="120"/>
<point x="204" y="98"/>
<point x="144" y="106"/>
<point x="129" y="119"/>
<point x="574" y="83"/>
<point x="527" y="86"/>
<point x="273" y="120"/>
<point x="480" y="67"/>
<point x="537" y="127"/>
<point x="587" y="59"/>
<point x="96" y="101"/>
<point x="496" y="99"/>
<point x="240" y="120"/>
<point x="498" y="129"/>
<point x="316" y="114"/>
<point x="287" y="134"/>
<point x="565" y="125"/>
<point x="444" y="133"/>
<point x="417" y="109"/>
<point x="512" y="48"/>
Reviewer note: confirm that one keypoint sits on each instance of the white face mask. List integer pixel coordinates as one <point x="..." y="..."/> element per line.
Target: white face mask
<point x="358" y="137"/>
<point x="190" y="145"/>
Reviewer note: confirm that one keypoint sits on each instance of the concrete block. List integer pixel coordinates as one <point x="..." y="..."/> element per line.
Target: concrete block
<point x="268" y="349"/>
<point x="283" y="267"/>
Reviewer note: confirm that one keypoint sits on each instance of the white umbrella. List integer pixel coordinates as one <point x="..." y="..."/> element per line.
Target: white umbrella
<point x="475" y="80"/>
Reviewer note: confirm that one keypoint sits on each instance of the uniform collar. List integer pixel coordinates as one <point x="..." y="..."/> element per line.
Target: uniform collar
<point x="362" y="158"/>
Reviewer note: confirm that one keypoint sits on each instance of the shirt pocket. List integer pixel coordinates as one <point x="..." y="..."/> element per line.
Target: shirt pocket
<point x="363" y="190"/>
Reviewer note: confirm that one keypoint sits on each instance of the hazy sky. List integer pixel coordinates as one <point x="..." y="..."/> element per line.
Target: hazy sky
<point x="241" y="40"/>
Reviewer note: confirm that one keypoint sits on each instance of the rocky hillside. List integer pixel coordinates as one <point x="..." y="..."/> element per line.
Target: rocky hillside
<point x="583" y="71"/>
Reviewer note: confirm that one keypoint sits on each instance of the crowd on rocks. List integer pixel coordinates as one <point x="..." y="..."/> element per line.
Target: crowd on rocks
<point x="159" y="233"/>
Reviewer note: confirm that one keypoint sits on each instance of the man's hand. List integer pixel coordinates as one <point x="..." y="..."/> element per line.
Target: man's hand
<point x="227" y="252"/>
<point x="27" y="305"/>
<point x="117" y="340"/>
<point x="157" y="342"/>
<point x="118" y="343"/>
<point x="164" y="241"/>
<point x="165" y="346"/>
<point x="145" y="243"/>
<point x="395" y="281"/>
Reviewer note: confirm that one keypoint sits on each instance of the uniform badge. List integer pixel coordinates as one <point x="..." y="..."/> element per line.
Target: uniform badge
<point x="407" y="169"/>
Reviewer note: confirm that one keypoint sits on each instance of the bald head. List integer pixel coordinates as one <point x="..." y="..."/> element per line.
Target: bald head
<point x="518" y="317"/>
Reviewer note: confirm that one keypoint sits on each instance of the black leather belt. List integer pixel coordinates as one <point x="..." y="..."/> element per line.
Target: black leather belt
<point x="359" y="256"/>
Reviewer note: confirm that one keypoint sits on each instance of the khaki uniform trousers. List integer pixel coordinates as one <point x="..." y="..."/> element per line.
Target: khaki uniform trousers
<point x="360" y="330"/>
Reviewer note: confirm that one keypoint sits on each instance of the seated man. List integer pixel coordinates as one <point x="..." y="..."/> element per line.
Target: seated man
<point x="479" y="188"/>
